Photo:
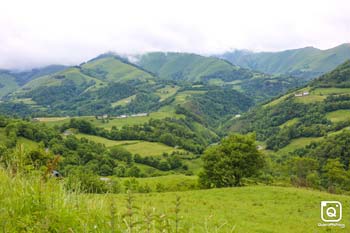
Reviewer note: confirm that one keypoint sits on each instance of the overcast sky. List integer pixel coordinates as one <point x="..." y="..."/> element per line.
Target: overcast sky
<point x="41" y="32"/>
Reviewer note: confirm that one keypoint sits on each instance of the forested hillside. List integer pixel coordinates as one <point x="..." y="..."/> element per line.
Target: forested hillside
<point x="316" y="116"/>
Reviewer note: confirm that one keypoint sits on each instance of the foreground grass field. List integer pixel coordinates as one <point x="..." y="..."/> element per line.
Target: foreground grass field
<point x="28" y="204"/>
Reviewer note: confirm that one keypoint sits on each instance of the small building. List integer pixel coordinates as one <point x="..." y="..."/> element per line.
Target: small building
<point x="305" y="93"/>
<point x="105" y="179"/>
<point x="122" y="116"/>
<point x="139" y="115"/>
<point x="237" y="115"/>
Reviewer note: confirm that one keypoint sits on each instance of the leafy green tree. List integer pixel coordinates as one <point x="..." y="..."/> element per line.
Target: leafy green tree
<point x="335" y="175"/>
<point x="301" y="168"/>
<point x="120" y="170"/>
<point x="121" y="154"/>
<point x="234" y="158"/>
<point x="133" y="171"/>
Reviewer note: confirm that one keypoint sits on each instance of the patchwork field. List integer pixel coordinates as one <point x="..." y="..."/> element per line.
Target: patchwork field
<point x="142" y="148"/>
<point x="182" y="97"/>
<point x="298" y="143"/>
<point x="164" y="112"/>
<point x="310" y="98"/>
<point x="105" y="141"/>
<point x="166" y="92"/>
<point x="124" y="101"/>
<point x="330" y="91"/>
<point x="339" y="115"/>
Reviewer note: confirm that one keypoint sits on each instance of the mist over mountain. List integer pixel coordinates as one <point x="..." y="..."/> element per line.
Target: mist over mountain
<point x="308" y="62"/>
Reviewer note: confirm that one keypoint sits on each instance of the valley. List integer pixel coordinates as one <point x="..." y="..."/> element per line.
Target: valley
<point x="155" y="132"/>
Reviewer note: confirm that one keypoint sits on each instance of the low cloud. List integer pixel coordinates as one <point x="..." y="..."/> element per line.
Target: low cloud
<point x="37" y="33"/>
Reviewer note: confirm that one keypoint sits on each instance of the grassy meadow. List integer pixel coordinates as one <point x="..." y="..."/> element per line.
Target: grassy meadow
<point x="142" y="148"/>
<point x="116" y="122"/>
<point x="29" y="204"/>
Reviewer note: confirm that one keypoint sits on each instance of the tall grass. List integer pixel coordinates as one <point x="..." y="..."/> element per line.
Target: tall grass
<point x="29" y="203"/>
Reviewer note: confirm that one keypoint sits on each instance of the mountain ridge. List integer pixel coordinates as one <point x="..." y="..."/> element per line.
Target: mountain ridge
<point x="307" y="62"/>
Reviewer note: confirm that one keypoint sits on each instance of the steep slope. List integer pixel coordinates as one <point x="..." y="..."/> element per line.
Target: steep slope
<point x="302" y="116"/>
<point x="110" y="67"/>
<point x="306" y="62"/>
<point x="23" y="77"/>
<point x="7" y="83"/>
<point x="183" y="66"/>
<point x="95" y="87"/>
<point x="10" y="81"/>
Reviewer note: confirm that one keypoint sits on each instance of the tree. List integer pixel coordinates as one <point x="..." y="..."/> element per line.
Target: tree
<point x="301" y="170"/>
<point x="121" y="154"/>
<point x="133" y="171"/>
<point x="234" y="158"/>
<point x="335" y="175"/>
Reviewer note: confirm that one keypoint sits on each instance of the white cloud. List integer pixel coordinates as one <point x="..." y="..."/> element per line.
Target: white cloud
<point x="41" y="32"/>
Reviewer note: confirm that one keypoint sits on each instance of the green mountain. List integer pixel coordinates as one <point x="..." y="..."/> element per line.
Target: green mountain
<point x="110" y="84"/>
<point x="306" y="62"/>
<point x="302" y="116"/>
<point x="22" y="77"/>
<point x="183" y="66"/>
<point x="94" y="87"/>
<point x="10" y="81"/>
<point x="216" y="72"/>
<point x="7" y="83"/>
<point x="112" y="68"/>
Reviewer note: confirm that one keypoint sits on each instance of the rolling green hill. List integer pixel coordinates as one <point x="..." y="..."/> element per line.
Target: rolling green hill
<point x="8" y="83"/>
<point x="183" y="66"/>
<point x="22" y="77"/>
<point x="109" y="67"/>
<point x="307" y="114"/>
<point x="93" y="88"/>
<point x="306" y="62"/>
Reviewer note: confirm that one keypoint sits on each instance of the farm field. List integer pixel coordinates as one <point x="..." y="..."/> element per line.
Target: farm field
<point x="142" y="148"/>
<point x="181" y="97"/>
<point x="330" y="91"/>
<point x="339" y="115"/>
<point x="105" y="141"/>
<point x="165" y="112"/>
<point x="298" y="143"/>
<point x="166" y="92"/>
<point x="124" y="101"/>
<point x="309" y="99"/>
